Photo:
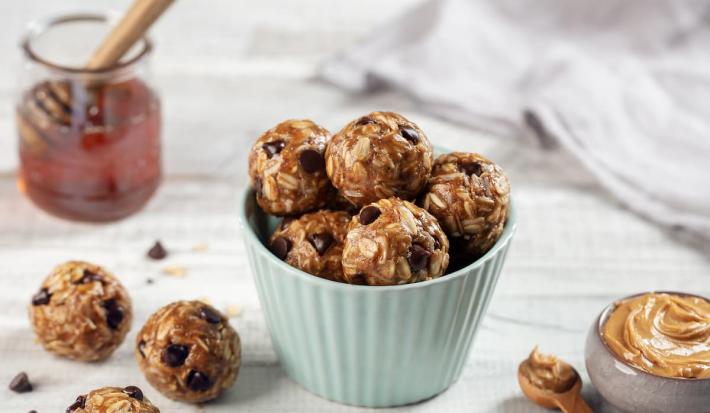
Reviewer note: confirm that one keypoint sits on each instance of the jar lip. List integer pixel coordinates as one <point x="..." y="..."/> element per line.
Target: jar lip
<point x="37" y="27"/>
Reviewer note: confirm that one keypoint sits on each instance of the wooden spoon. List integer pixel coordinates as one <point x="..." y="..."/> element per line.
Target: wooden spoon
<point x="570" y="401"/>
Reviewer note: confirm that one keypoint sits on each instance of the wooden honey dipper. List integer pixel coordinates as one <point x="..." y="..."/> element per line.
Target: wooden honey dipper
<point x="53" y="98"/>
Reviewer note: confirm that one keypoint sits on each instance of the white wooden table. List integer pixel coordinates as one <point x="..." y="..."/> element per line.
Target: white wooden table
<point x="228" y="70"/>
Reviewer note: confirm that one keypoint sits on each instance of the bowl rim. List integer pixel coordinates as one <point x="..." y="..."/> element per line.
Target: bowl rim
<point x="504" y="239"/>
<point x="606" y="312"/>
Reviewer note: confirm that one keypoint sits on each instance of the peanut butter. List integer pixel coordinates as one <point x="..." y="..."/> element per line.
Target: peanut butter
<point x="547" y="372"/>
<point x="663" y="334"/>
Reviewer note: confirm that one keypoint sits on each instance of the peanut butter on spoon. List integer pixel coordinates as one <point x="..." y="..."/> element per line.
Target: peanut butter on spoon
<point x="550" y="382"/>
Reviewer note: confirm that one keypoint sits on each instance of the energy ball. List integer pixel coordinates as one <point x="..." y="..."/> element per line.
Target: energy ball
<point x="188" y="351"/>
<point x="313" y="243"/>
<point x="113" y="399"/>
<point x="378" y="156"/>
<point x="287" y="168"/>
<point x="81" y="312"/>
<point x="394" y="242"/>
<point x="469" y="195"/>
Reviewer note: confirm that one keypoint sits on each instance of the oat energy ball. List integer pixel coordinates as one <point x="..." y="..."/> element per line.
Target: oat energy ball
<point x="469" y="195"/>
<point x="379" y="156"/>
<point x="287" y="168"/>
<point x="188" y="351"/>
<point x="313" y="243"/>
<point x="81" y="312"/>
<point x="394" y="242"/>
<point x="113" y="400"/>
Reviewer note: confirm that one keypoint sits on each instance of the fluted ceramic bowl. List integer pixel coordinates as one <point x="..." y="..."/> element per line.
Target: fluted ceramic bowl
<point x="372" y="346"/>
<point x="633" y="390"/>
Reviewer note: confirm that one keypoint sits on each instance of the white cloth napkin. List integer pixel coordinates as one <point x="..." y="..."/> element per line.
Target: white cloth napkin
<point x="622" y="84"/>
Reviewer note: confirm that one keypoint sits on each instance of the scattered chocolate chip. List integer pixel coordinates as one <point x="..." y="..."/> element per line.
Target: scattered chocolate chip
<point x="369" y="214"/>
<point x="258" y="185"/>
<point x="78" y="404"/>
<point x="21" y="383"/>
<point x="409" y="134"/>
<point x="437" y="244"/>
<point x="311" y="161"/>
<point x="281" y="246"/>
<point x="174" y="355"/>
<point x="149" y="281"/>
<point x="321" y="242"/>
<point x="42" y="297"/>
<point x="114" y="313"/>
<point x="89" y="276"/>
<point x="141" y="348"/>
<point x="272" y="148"/>
<point x="133" y="392"/>
<point x="33" y="411"/>
<point x="473" y="168"/>
<point x="198" y="381"/>
<point x="210" y="315"/>
<point x="358" y="279"/>
<point x="157" y="251"/>
<point x="365" y="120"/>
<point x="418" y="257"/>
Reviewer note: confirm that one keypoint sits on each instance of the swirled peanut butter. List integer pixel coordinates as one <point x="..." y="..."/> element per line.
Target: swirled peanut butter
<point x="663" y="334"/>
<point x="548" y="372"/>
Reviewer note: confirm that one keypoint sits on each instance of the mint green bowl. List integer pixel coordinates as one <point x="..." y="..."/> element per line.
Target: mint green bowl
<point x="363" y="345"/>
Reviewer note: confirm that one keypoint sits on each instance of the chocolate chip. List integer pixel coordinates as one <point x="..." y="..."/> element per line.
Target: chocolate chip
<point x="409" y="134"/>
<point x="114" y="313"/>
<point x="272" y="148"/>
<point x="437" y="244"/>
<point x="141" y="348"/>
<point x="149" y="281"/>
<point x="418" y="257"/>
<point x="358" y="279"/>
<point x="365" y="120"/>
<point x="174" y="355"/>
<point x="311" y="161"/>
<point x="210" y="315"/>
<point x="133" y="392"/>
<point x="157" y="251"/>
<point x="321" y="242"/>
<point x="473" y="168"/>
<point x="78" y="404"/>
<point x="21" y="383"/>
<point x="33" y="411"/>
<point x="198" y="381"/>
<point x="42" y="297"/>
<point x="369" y="214"/>
<point x="258" y="185"/>
<point x="89" y="276"/>
<point x="281" y="246"/>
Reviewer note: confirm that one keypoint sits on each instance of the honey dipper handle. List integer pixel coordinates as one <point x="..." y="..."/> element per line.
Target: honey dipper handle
<point x="133" y="26"/>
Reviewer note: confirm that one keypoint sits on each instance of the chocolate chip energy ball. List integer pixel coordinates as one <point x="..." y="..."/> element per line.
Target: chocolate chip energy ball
<point x="287" y="168"/>
<point x="188" y="351"/>
<point x="469" y="194"/>
<point x="394" y="242"/>
<point x="81" y="312"/>
<point x="113" y="400"/>
<point x="379" y="156"/>
<point x="313" y="243"/>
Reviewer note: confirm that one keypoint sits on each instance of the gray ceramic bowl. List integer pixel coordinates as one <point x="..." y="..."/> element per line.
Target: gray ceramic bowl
<point x="636" y="391"/>
<point x="364" y="345"/>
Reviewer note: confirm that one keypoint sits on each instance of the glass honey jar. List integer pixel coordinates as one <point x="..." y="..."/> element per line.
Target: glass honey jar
<point x="89" y="139"/>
